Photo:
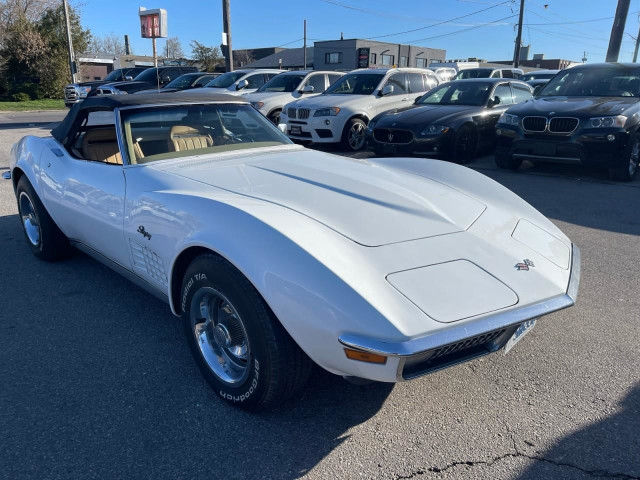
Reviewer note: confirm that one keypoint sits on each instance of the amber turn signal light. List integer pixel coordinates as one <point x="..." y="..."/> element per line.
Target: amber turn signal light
<point x="365" y="356"/>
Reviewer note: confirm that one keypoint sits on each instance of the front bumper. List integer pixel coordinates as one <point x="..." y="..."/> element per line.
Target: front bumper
<point x="315" y="129"/>
<point x="464" y="342"/>
<point x="410" y="144"/>
<point x="587" y="148"/>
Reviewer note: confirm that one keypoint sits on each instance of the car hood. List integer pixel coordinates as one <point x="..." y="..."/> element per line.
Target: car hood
<point x="161" y="90"/>
<point x="95" y="83"/>
<point x="130" y="85"/>
<point x="325" y="100"/>
<point x="576" y="106"/>
<point x="369" y="204"/>
<point x="415" y="117"/>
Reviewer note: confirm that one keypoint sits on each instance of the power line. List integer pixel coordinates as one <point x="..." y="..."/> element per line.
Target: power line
<point x="460" y="31"/>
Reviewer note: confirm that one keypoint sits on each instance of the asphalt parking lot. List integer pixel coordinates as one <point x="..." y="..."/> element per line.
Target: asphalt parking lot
<point x="96" y="380"/>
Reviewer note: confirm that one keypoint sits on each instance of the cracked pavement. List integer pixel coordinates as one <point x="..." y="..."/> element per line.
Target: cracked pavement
<point x="97" y="381"/>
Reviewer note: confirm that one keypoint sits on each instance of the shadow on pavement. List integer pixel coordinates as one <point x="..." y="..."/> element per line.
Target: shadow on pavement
<point x="97" y="382"/>
<point x="609" y="448"/>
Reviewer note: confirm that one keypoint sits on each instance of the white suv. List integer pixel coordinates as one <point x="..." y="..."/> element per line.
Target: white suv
<point x="342" y="112"/>
<point x="236" y="82"/>
<point x="287" y="87"/>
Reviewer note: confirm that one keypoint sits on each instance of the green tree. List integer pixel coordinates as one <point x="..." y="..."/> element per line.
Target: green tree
<point x="207" y="57"/>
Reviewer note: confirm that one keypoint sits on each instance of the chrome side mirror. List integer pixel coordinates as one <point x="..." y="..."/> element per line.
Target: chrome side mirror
<point x="307" y="89"/>
<point x="242" y="84"/>
<point x="387" y="90"/>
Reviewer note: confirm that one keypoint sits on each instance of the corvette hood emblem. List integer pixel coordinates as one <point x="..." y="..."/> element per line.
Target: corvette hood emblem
<point x="524" y="265"/>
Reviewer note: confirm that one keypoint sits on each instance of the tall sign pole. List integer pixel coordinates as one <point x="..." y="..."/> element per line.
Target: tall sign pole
<point x="72" y="67"/>
<point x="226" y="29"/>
<point x="304" y="46"/>
<point x="153" y="24"/>
<point x="516" y="53"/>
<point x="617" y="30"/>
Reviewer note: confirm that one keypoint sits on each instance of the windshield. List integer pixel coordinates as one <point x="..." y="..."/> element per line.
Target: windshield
<point x="115" y="75"/>
<point x="594" y="82"/>
<point x="225" y="80"/>
<point x="458" y="93"/>
<point x="160" y="133"/>
<point x="149" y="76"/>
<point x="182" y="82"/>
<point x="282" y="83"/>
<point x="474" y="73"/>
<point x="537" y="76"/>
<point x="356" y="84"/>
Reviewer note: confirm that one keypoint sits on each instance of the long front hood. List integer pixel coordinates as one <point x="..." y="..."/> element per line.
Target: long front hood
<point x="415" y="117"/>
<point x="367" y="203"/>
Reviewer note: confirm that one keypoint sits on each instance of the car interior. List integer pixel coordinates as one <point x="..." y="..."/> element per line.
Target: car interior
<point x="166" y="132"/>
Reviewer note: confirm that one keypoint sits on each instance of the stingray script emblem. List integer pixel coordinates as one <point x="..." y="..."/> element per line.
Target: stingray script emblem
<point x="524" y="265"/>
<point x="144" y="233"/>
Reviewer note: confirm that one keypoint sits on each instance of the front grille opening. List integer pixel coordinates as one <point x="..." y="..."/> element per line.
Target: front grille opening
<point x="303" y="113"/>
<point x="458" y="352"/>
<point x="385" y="135"/>
<point x="534" y="124"/>
<point x="291" y="113"/>
<point x="563" y="124"/>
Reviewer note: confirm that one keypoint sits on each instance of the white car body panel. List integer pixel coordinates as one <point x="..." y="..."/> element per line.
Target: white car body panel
<point x="231" y="89"/>
<point x="322" y="239"/>
<point x="363" y="106"/>
<point x="273" y="101"/>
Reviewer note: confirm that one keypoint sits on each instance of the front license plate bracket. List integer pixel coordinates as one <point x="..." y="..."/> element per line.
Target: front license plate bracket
<point x="522" y="330"/>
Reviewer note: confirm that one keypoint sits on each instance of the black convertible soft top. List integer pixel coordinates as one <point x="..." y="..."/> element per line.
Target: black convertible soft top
<point x="111" y="102"/>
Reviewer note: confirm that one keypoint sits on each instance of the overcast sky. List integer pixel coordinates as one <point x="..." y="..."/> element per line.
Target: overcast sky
<point x="563" y="29"/>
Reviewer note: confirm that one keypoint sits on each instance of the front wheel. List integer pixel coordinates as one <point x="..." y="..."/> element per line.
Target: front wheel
<point x="629" y="165"/>
<point x="42" y="234"/>
<point x="241" y="348"/>
<point x="465" y="144"/>
<point x="505" y="160"/>
<point x="353" y="135"/>
<point x="275" y="117"/>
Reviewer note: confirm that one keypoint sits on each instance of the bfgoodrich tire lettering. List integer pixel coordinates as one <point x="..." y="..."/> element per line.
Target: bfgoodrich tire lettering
<point x="250" y="361"/>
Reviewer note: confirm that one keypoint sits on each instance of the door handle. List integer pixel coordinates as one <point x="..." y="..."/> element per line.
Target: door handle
<point x="405" y="99"/>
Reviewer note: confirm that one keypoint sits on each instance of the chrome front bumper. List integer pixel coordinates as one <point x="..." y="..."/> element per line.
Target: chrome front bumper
<point x="496" y="328"/>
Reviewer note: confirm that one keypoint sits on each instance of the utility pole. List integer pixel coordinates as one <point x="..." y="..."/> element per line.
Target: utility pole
<point x="72" y="67"/>
<point x="635" y="52"/>
<point x="516" y="53"/>
<point x="226" y="28"/>
<point x="304" y="46"/>
<point x="617" y="30"/>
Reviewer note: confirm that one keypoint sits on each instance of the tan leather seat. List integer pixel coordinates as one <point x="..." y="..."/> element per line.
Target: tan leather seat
<point x="101" y="145"/>
<point x="182" y="137"/>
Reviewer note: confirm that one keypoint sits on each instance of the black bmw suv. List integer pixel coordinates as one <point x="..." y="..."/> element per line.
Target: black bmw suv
<point x="588" y="114"/>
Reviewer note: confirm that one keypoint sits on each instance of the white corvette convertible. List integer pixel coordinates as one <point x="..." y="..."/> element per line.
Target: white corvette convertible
<point x="276" y="256"/>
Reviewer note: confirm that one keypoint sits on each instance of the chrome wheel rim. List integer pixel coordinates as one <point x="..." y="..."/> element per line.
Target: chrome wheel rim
<point x="220" y="335"/>
<point x="356" y="136"/>
<point x="464" y="143"/>
<point x="634" y="157"/>
<point x="29" y="219"/>
<point x="275" y="118"/>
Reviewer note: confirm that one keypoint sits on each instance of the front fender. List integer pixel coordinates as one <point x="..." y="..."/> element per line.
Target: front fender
<point x="26" y="156"/>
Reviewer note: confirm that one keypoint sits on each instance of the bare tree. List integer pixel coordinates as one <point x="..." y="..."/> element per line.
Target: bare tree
<point x="173" y="48"/>
<point x="207" y="57"/>
<point x="242" y="57"/>
<point x="111" y="43"/>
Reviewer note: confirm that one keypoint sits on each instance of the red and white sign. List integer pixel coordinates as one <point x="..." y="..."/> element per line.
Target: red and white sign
<point x="153" y="23"/>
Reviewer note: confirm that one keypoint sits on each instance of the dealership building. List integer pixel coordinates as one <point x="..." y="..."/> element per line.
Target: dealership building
<point x="355" y="53"/>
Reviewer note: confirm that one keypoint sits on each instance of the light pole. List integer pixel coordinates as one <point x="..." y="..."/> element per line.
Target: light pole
<point x="72" y="67"/>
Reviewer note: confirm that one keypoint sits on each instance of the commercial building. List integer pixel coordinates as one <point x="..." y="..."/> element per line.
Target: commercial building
<point x="96" y="66"/>
<point x="289" y="59"/>
<point x="355" y="53"/>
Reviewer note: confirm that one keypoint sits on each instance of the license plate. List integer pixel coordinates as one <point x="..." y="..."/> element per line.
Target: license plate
<point x="296" y="130"/>
<point x="522" y="330"/>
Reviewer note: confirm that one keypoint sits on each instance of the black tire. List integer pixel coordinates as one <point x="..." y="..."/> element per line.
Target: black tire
<point x="348" y="142"/>
<point x="465" y="144"/>
<point x="272" y="367"/>
<point x="275" y="117"/>
<point x="505" y="160"/>
<point x="50" y="244"/>
<point x="628" y="167"/>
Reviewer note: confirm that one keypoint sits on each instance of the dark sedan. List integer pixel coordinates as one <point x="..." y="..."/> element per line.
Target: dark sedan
<point x="588" y="114"/>
<point x="184" y="82"/>
<point x="455" y="119"/>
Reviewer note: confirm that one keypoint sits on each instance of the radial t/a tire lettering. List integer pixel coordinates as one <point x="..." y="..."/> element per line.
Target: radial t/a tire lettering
<point x="241" y="348"/>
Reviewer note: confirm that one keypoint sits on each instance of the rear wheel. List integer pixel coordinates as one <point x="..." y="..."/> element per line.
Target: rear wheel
<point x="275" y="117"/>
<point x="42" y="234"/>
<point x="629" y="164"/>
<point x="506" y="160"/>
<point x="465" y="144"/>
<point x="241" y="348"/>
<point x="353" y="135"/>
